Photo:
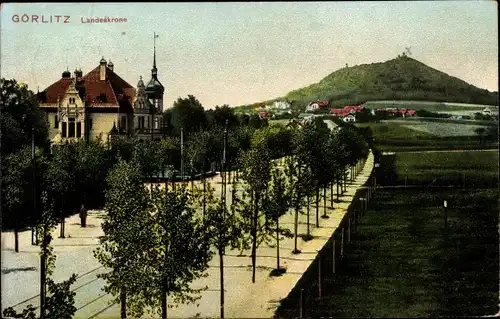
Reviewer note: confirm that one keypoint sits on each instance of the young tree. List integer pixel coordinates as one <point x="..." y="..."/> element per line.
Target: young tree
<point x="225" y="230"/>
<point x="61" y="181"/>
<point x="182" y="249"/>
<point x="276" y="204"/>
<point x="60" y="300"/>
<point x="256" y="174"/>
<point x="127" y="240"/>
<point x="16" y="192"/>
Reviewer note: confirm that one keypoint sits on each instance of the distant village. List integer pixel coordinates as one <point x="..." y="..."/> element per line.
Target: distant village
<point x="351" y="113"/>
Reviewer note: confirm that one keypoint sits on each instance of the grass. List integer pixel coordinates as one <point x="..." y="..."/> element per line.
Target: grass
<point x="400" y="263"/>
<point x="398" y="136"/>
<point x="425" y="105"/>
<point x="469" y="168"/>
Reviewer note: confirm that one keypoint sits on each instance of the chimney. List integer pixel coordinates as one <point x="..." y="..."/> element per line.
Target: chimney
<point x="78" y="74"/>
<point x="102" y="73"/>
<point x="110" y="65"/>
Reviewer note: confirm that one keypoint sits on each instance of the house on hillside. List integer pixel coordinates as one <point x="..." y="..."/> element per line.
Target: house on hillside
<point x="316" y="105"/>
<point x="349" y="118"/>
<point x="263" y="114"/>
<point x="493" y="111"/>
<point x="279" y="105"/>
<point x="348" y="113"/>
<point x="398" y="112"/>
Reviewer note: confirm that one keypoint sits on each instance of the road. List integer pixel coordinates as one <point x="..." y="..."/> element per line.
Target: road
<point x="20" y="271"/>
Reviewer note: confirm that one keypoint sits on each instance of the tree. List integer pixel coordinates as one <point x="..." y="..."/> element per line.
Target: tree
<point x="93" y="162"/>
<point x="16" y="191"/>
<point x="59" y="304"/>
<point x="148" y="155"/>
<point x="276" y="204"/>
<point x="61" y="181"/>
<point x="314" y="154"/>
<point x="182" y="249"/>
<point x="127" y="240"/>
<point x="256" y="174"/>
<point x="21" y="115"/>
<point x="224" y="228"/>
<point x="187" y="113"/>
<point x="225" y="114"/>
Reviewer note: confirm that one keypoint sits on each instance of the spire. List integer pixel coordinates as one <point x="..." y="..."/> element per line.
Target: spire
<point x="154" y="70"/>
<point x="154" y="51"/>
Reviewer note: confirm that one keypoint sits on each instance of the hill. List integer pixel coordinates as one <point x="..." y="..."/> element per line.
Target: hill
<point x="402" y="78"/>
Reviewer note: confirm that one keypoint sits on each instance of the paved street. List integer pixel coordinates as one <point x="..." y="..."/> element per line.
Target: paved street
<point x="20" y="272"/>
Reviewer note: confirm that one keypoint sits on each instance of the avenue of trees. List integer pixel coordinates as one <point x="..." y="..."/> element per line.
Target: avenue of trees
<point x="158" y="240"/>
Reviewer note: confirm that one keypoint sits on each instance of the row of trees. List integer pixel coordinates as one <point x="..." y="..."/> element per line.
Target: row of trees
<point x="157" y="222"/>
<point x="174" y="228"/>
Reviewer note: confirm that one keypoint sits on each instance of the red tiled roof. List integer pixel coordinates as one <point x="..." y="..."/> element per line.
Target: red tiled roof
<point x="339" y="112"/>
<point x="355" y="108"/>
<point x="55" y="90"/>
<point x="113" y="91"/>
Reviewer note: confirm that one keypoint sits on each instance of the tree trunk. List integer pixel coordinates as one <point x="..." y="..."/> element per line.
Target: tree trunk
<point x="308" y="223"/>
<point x="123" y="303"/>
<point x="278" y="243"/>
<point x="221" y="261"/>
<point x="317" y="206"/>
<point x="254" y="236"/>
<point x="337" y="182"/>
<point x="164" y="305"/>
<point x="296" y="226"/>
<point x="16" y="239"/>
<point x="308" y="212"/>
<point x="331" y="195"/>
<point x="324" y="202"/>
<point x="204" y="181"/>
<point x="62" y="220"/>
<point x="43" y="274"/>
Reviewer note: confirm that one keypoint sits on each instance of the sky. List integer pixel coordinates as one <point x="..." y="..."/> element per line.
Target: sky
<point x="245" y="52"/>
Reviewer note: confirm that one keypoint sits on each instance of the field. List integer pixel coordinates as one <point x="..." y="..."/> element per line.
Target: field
<point x="472" y="169"/>
<point x="406" y="135"/>
<point x="404" y="262"/>
<point x="429" y="106"/>
<point x="444" y="129"/>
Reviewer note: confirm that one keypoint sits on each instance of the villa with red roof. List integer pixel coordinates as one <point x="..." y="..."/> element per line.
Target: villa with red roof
<point x="101" y="103"/>
<point x="316" y="105"/>
<point x="348" y="113"/>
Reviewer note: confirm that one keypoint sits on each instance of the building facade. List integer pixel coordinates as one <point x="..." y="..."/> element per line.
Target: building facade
<point x="100" y="104"/>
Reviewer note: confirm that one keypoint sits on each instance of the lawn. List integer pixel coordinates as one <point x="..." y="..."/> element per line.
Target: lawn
<point x="402" y="135"/>
<point x="424" y="105"/>
<point x="469" y="168"/>
<point x="401" y="264"/>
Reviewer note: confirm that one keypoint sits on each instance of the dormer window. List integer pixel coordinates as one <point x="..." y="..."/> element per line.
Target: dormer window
<point x="102" y="98"/>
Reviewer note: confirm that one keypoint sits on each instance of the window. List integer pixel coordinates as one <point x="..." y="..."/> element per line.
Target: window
<point x="79" y="129"/>
<point x="148" y="121"/>
<point x="90" y="124"/>
<point x="157" y="122"/>
<point x="71" y="128"/>
<point x="56" y="121"/>
<point x="63" y="128"/>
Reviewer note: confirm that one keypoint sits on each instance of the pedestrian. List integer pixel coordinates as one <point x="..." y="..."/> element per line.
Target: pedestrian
<point x="83" y="216"/>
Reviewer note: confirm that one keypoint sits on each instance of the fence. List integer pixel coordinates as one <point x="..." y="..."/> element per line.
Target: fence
<point x="329" y="260"/>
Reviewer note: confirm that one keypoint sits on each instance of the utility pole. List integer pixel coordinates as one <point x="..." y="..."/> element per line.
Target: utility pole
<point x="182" y="155"/>
<point x="223" y="175"/>
<point x="33" y="160"/>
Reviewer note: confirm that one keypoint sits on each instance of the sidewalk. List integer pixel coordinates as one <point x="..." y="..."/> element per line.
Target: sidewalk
<point x="242" y="299"/>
